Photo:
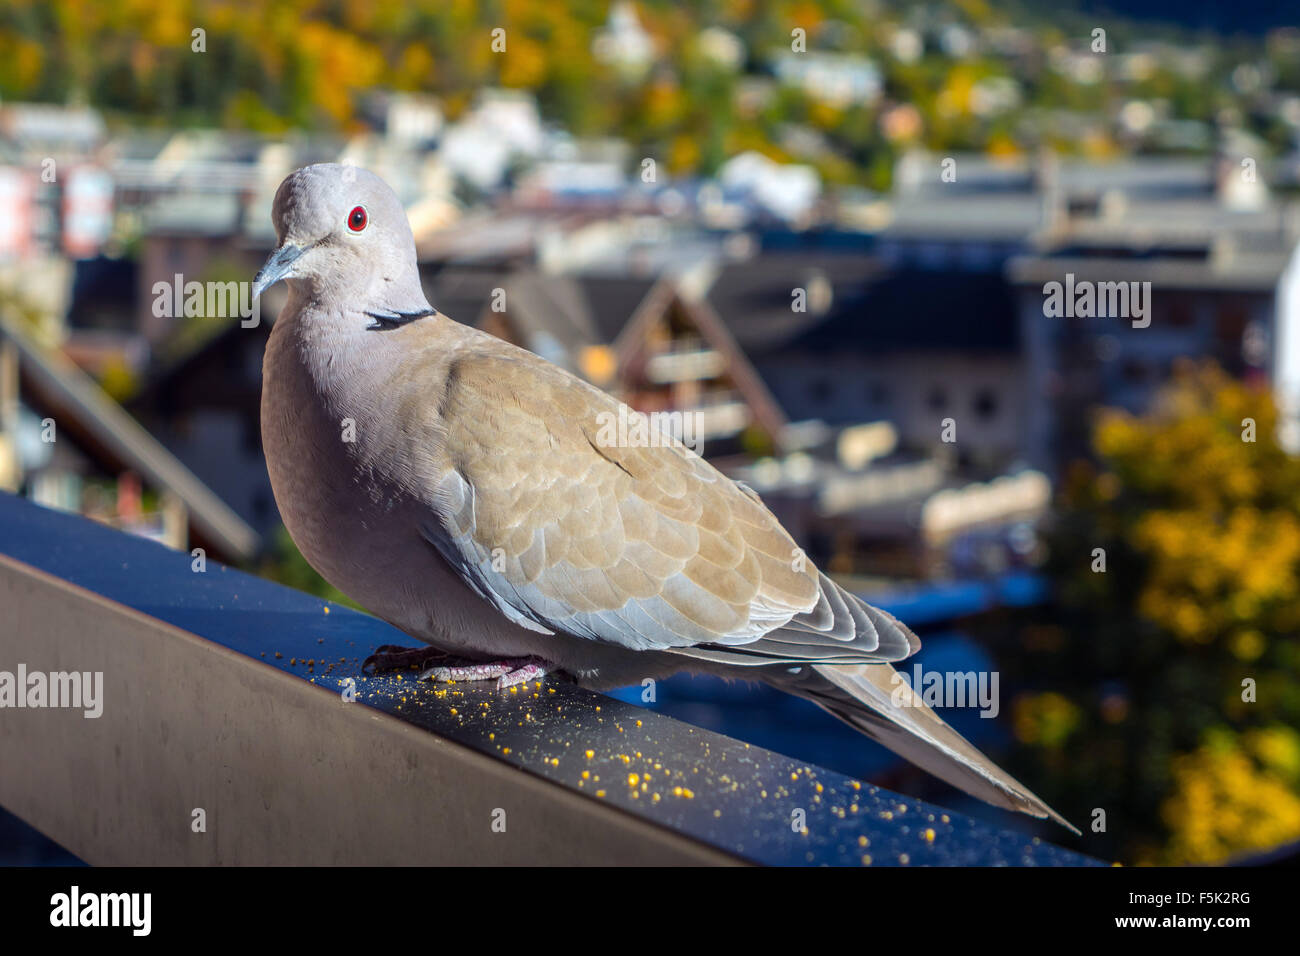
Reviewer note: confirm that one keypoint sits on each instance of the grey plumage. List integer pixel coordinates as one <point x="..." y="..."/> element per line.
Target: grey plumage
<point x="461" y="489"/>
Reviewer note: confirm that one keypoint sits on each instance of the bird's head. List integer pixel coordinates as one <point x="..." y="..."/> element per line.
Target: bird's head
<point x="339" y="223"/>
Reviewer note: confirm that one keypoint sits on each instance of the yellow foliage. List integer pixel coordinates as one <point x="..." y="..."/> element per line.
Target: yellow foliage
<point x="20" y="61"/>
<point x="824" y="115"/>
<point x="1234" y="795"/>
<point x="1224" y="547"/>
<point x="664" y="103"/>
<point x="342" y="63"/>
<point x="526" y="66"/>
<point x="1045" y="719"/>
<point x="955" y="96"/>
<point x="415" y="69"/>
<point x="806" y="15"/>
<point x="683" y="154"/>
<point x="1002" y="146"/>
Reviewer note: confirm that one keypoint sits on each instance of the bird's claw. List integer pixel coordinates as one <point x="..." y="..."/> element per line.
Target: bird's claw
<point x="394" y="657"/>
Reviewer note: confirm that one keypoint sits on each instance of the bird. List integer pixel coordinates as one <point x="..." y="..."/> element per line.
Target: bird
<point x="461" y="488"/>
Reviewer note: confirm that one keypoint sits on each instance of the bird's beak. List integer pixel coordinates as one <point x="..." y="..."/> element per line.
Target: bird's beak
<point x="278" y="266"/>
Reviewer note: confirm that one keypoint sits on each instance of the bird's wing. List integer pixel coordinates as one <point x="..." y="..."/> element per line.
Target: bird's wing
<point x="563" y="526"/>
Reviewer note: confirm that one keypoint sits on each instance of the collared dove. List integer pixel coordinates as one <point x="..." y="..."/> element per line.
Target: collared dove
<point x="459" y="488"/>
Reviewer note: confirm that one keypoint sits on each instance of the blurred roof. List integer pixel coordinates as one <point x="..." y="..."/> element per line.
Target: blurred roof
<point x="613" y="300"/>
<point x="188" y="214"/>
<point x="912" y="309"/>
<point x="550" y="312"/>
<point x="573" y="310"/>
<point x="44" y="124"/>
<point x="991" y="216"/>
<point x="755" y="297"/>
<point x="1253" y="273"/>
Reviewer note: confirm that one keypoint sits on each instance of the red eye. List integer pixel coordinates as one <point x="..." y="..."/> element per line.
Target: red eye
<point x="357" y="219"/>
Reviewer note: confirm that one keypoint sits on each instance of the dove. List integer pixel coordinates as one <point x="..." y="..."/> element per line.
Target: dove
<point x="463" y="490"/>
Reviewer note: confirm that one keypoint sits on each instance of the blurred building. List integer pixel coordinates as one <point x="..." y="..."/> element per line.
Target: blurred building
<point x="1191" y="261"/>
<point x="780" y="315"/>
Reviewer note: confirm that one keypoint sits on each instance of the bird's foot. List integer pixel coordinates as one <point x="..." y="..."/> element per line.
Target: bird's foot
<point x="441" y="667"/>
<point x="507" y="673"/>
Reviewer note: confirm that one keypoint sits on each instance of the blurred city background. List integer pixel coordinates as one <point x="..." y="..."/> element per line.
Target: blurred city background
<point x="825" y="228"/>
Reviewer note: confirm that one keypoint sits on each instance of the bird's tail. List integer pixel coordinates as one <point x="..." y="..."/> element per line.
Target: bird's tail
<point x="875" y="700"/>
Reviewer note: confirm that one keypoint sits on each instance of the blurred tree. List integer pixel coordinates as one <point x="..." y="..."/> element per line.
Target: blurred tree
<point x="1236" y="792"/>
<point x="308" y="64"/>
<point x="1175" y="699"/>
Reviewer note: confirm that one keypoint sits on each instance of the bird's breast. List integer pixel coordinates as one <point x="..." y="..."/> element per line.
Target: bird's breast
<point x="355" y="516"/>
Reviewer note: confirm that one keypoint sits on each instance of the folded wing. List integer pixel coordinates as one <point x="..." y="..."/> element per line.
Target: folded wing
<point x="567" y="519"/>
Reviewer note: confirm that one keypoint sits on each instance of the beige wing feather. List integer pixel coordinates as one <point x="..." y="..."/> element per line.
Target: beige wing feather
<point x="647" y="546"/>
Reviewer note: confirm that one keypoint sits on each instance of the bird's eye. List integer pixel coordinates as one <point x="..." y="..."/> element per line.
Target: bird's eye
<point x="357" y="219"/>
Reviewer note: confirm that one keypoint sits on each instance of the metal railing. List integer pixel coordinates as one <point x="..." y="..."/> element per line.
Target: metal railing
<point x="235" y="727"/>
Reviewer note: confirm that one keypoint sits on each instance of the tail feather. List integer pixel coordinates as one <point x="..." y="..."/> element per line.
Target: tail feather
<point x="863" y="697"/>
<point x="837" y="655"/>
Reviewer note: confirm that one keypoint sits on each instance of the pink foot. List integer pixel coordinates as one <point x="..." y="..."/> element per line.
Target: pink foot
<point x="521" y="676"/>
<point x="445" y="675"/>
<point x="507" y="673"/>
